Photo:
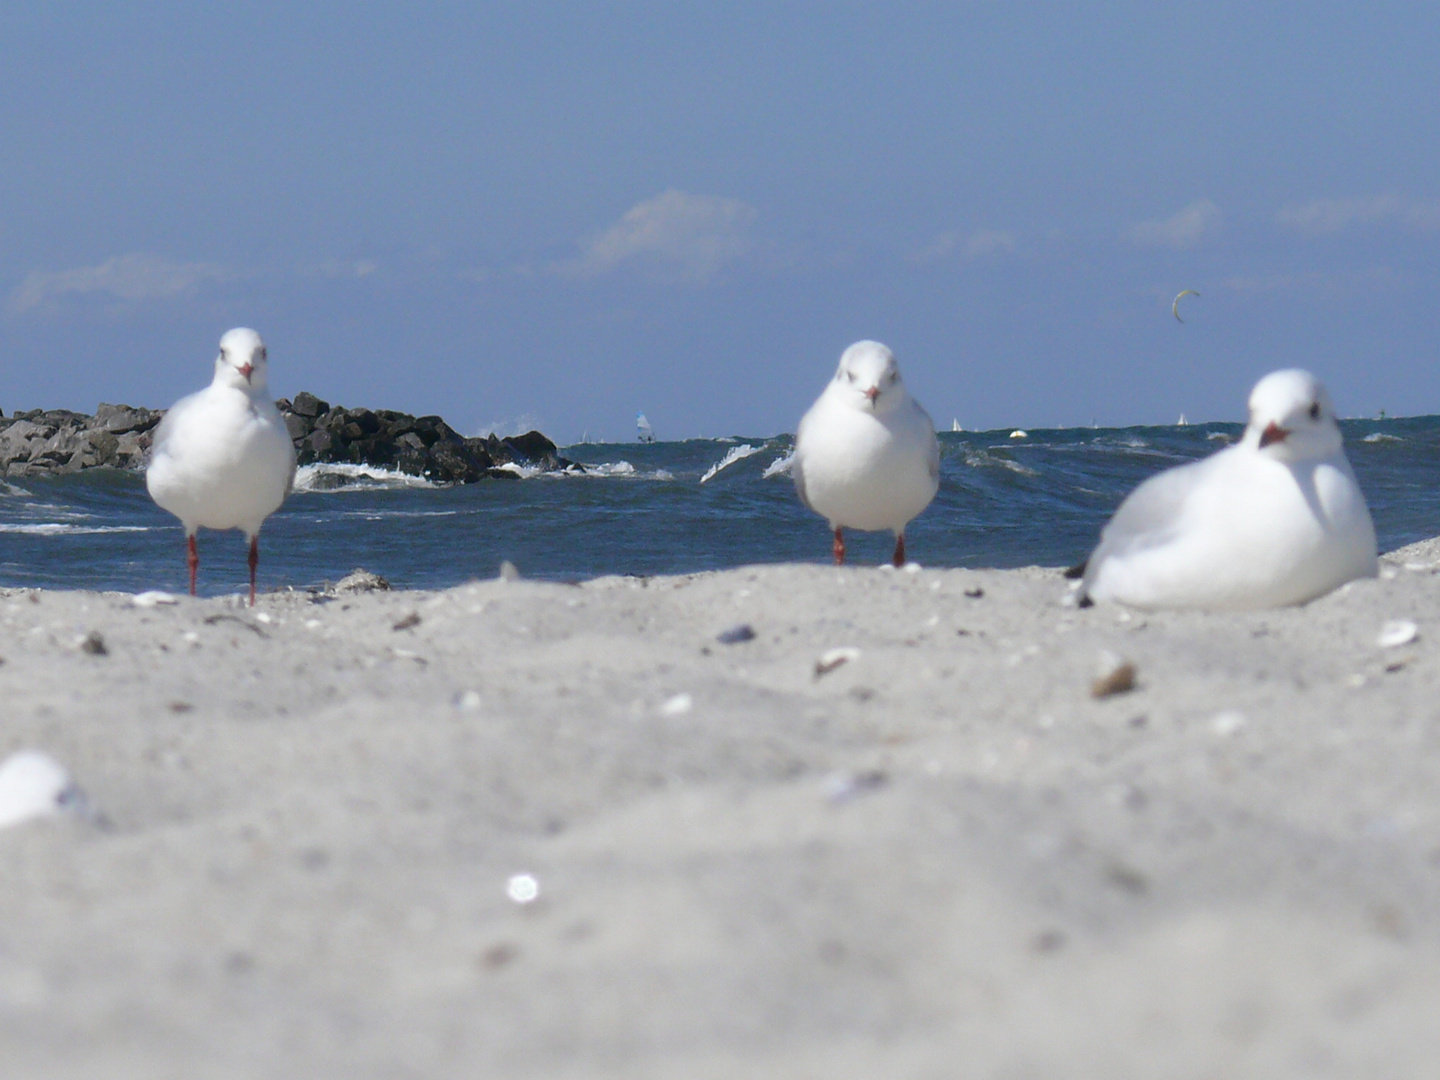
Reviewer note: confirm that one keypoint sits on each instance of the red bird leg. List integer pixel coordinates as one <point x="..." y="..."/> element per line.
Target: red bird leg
<point x="839" y="548"/>
<point x="192" y="559"/>
<point x="254" y="562"/>
<point x="899" y="549"/>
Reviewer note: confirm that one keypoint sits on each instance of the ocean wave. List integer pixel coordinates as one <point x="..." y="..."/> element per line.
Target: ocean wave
<point x="342" y="476"/>
<point x="11" y="489"/>
<point x="734" y="454"/>
<point x="58" y="528"/>
<point x="1380" y="436"/>
<point x="982" y="459"/>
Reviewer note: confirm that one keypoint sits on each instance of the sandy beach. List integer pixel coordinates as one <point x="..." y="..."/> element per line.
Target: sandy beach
<point x="941" y="857"/>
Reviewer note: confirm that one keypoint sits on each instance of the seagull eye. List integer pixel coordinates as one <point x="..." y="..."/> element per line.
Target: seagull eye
<point x="1315" y="410"/>
<point x="850" y="375"/>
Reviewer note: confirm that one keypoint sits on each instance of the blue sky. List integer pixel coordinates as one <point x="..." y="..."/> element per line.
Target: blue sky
<point x="565" y="213"/>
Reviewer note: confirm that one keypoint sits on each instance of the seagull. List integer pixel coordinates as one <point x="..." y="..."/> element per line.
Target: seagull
<point x="866" y="456"/>
<point x="222" y="457"/>
<point x="1276" y="519"/>
<point x="33" y="784"/>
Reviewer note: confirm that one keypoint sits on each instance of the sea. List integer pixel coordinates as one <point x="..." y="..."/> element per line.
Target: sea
<point x="1006" y="499"/>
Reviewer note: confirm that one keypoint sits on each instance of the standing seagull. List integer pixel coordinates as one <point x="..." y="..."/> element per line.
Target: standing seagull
<point x="866" y="456"/>
<point x="222" y="457"/>
<point x="1276" y="519"/>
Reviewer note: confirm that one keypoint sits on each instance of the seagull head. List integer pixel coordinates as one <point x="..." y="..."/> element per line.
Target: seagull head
<point x="241" y="363"/>
<point x="1291" y="418"/>
<point x="868" y="378"/>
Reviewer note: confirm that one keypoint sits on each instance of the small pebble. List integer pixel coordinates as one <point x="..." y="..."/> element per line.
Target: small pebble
<point x="93" y="644"/>
<point x="736" y="634"/>
<point x="975" y="593"/>
<point x="1115" y="675"/>
<point x="469" y="700"/>
<point x="409" y="622"/>
<point x="831" y="659"/>
<point x="842" y="787"/>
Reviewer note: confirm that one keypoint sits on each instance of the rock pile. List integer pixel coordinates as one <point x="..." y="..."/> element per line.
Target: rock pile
<point x="119" y="436"/>
<point x="61" y="441"/>
<point x="416" y="445"/>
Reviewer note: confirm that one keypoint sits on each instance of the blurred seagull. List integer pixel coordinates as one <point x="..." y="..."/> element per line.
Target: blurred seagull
<point x="222" y="457"/>
<point x="866" y="456"/>
<point x="33" y="784"/>
<point x="1275" y="519"/>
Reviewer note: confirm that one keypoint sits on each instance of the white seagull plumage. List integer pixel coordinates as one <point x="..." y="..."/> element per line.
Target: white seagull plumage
<point x="866" y="456"/>
<point x="33" y="784"/>
<point x="222" y="458"/>
<point x="1274" y="520"/>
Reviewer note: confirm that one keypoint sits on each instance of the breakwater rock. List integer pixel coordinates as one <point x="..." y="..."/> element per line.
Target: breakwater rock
<point x="60" y="441"/>
<point x="40" y="442"/>
<point x="416" y="445"/>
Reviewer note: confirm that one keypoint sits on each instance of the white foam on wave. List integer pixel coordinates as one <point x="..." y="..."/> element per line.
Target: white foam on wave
<point x="58" y="528"/>
<point x="355" y="477"/>
<point x="980" y="459"/>
<point x="1380" y="436"/>
<point x="622" y="470"/>
<point x="525" y="472"/>
<point x="779" y="467"/>
<point x="734" y="454"/>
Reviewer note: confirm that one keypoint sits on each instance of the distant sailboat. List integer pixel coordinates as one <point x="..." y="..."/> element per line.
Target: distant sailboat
<point x="955" y="426"/>
<point x="644" y="432"/>
<point x="1182" y="422"/>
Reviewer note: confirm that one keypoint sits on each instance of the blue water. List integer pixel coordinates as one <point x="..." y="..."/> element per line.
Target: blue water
<point x="1002" y="502"/>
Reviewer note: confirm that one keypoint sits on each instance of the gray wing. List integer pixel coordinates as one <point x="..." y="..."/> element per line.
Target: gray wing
<point x="797" y="463"/>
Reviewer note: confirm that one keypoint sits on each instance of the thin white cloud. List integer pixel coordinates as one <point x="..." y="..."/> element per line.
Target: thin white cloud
<point x="1324" y="217"/>
<point x="1183" y="229"/>
<point x="1368" y="279"/>
<point x="975" y="245"/>
<point x="129" y="278"/>
<point x="341" y="268"/>
<point x="691" y="236"/>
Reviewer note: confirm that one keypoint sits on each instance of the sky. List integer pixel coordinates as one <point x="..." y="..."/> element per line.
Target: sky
<point x="556" y="215"/>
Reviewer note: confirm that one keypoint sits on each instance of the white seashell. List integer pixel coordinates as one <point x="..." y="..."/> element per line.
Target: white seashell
<point x="678" y="705"/>
<point x="1228" y="722"/>
<point x="522" y="888"/>
<point x="1397" y="632"/>
<point x="153" y="598"/>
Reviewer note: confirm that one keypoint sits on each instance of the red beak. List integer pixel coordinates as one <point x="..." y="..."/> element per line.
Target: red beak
<point x="246" y="369"/>
<point x="872" y="394"/>
<point x="1273" y="433"/>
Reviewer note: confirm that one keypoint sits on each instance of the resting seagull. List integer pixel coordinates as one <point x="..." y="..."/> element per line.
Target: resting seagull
<point x="1275" y="519"/>
<point x="866" y="456"/>
<point x="222" y="458"/>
